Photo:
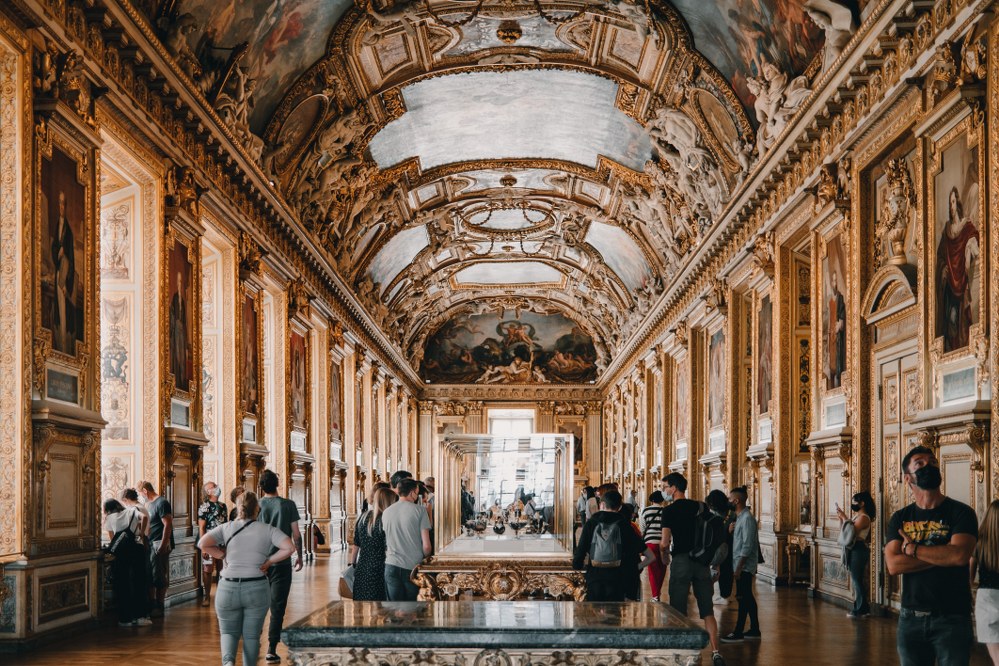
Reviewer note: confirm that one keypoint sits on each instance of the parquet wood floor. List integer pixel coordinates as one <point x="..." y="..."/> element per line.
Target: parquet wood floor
<point x="796" y="630"/>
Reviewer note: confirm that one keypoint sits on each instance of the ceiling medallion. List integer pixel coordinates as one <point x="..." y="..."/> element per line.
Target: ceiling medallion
<point x="508" y="180"/>
<point x="509" y="32"/>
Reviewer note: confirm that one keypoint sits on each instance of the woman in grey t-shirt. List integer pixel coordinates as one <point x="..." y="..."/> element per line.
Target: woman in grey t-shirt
<point x="243" y="596"/>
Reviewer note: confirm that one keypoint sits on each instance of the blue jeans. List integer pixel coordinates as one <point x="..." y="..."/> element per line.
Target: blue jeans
<point x="241" y="608"/>
<point x="397" y="584"/>
<point x="925" y="640"/>
<point x="860" y="555"/>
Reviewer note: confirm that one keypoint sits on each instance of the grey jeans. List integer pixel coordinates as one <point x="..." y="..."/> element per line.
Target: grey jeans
<point x="241" y="608"/>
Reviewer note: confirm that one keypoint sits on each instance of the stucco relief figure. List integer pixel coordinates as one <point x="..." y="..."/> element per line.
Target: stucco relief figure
<point x="402" y="13"/>
<point x="635" y="13"/>
<point x="674" y="134"/>
<point x="64" y="259"/>
<point x="777" y="100"/>
<point x="176" y="42"/>
<point x="957" y="266"/>
<point x="178" y="335"/>
<point x="837" y="22"/>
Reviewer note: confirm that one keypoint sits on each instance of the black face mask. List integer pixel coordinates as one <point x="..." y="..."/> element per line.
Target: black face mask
<point x="928" y="477"/>
<point x="855" y="506"/>
<point x="731" y="507"/>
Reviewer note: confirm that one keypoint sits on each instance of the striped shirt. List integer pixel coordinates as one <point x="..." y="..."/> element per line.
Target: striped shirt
<point x="652" y="521"/>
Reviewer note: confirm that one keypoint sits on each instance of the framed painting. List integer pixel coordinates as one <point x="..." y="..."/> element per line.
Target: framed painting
<point x="336" y="400"/>
<point x="716" y="379"/>
<point x="298" y="380"/>
<point x="681" y="401"/>
<point x="180" y="317"/>
<point x="834" y="312"/>
<point x="957" y="253"/>
<point x="764" y="355"/>
<point x="63" y="231"/>
<point x="249" y="355"/>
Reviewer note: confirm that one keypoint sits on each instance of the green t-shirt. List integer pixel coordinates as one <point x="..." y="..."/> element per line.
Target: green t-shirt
<point x="281" y="513"/>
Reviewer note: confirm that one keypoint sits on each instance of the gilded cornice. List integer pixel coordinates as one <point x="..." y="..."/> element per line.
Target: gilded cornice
<point x="896" y="40"/>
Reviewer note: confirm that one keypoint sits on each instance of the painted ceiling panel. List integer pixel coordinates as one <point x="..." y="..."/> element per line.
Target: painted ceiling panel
<point x="285" y="38"/>
<point x="397" y="254"/>
<point x="553" y="114"/>
<point x="526" y="178"/>
<point x="480" y="34"/>
<point x="506" y="218"/>
<point x="502" y="349"/>
<point x="620" y="252"/>
<point x="513" y="272"/>
<point x="737" y="35"/>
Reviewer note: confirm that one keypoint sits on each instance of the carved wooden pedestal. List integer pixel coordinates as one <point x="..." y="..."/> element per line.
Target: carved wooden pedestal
<point x="500" y="581"/>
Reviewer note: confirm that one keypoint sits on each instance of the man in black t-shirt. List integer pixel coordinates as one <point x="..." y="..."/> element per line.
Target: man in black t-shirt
<point x="929" y="544"/>
<point x="678" y="520"/>
<point x="608" y="583"/>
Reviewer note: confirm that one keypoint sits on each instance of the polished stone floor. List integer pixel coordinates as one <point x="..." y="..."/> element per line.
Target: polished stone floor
<point x="796" y="629"/>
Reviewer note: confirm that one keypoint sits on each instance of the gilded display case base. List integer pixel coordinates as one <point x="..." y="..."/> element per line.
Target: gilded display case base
<point x="477" y="657"/>
<point x="499" y="581"/>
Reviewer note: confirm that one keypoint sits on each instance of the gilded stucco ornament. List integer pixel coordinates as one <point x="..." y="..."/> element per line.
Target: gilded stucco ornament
<point x="895" y="213"/>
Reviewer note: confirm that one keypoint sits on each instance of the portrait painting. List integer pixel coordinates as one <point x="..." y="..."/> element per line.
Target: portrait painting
<point x="180" y="294"/>
<point x="298" y="360"/>
<point x="716" y="379"/>
<point x="764" y="351"/>
<point x="358" y="413"/>
<point x="681" y="410"/>
<point x="250" y="356"/>
<point x="504" y="348"/>
<point x="62" y="208"/>
<point x="957" y="251"/>
<point x="834" y="312"/>
<point x="336" y="401"/>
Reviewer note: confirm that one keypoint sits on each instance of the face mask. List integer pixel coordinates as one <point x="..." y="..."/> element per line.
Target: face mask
<point x="668" y="496"/>
<point x="731" y="506"/>
<point x="928" y="477"/>
<point x="855" y="506"/>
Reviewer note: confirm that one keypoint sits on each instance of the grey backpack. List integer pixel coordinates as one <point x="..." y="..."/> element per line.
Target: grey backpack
<point x="605" y="548"/>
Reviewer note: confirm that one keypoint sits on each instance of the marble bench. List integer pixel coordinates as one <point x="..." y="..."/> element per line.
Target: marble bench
<point x="495" y="633"/>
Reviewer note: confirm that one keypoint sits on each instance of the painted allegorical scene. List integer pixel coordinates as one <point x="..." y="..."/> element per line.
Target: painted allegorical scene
<point x="834" y="312"/>
<point x="497" y="348"/>
<point x="958" y="272"/>
<point x="180" y="292"/>
<point x="681" y="407"/>
<point x="764" y="346"/>
<point x="298" y="380"/>
<point x="63" y="210"/>
<point x="250" y="356"/>
<point x="716" y="379"/>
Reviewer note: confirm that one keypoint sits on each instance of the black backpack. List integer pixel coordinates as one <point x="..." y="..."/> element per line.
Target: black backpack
<point x="710" y="547"/>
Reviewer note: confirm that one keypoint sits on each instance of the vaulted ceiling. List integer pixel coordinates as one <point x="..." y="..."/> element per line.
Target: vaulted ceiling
<point x="509" y="185"/>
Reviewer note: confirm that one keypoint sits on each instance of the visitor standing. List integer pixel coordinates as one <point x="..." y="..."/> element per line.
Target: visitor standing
<point x="281" y="513"/>
<point x="128" y="567"/>
<point x="610" y="549"/>
<point x="233" y="496"/>
<point x="369" y="549"/>
<point x="679" y="519"/>
<point x="211" y="514"/>
<point x="398" y="477"/>
<point x="592" y="504"/>
<point x="985" y="563"/>
<point x="930" y="543"/>
<point x="859" y="552"/>
<point x="652" y="534"/>
<point x="745" y="559"/>
<point x="250" y="549"/>
<point x="160" y="535"/>
<point x="407" y="541"/>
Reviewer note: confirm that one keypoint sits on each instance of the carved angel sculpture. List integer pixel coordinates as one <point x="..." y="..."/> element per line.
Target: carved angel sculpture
<point x="777" y="100"/>
<point x="836" y="21"/>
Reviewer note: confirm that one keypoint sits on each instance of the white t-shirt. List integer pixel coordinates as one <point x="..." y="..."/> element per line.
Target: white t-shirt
<point x="116" y="522"/>
<point x="245" y="552"/>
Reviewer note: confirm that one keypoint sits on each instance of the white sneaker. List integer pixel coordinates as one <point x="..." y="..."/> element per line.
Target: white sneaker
<point x="143" y="622"/>
<point x="719" y="600"/>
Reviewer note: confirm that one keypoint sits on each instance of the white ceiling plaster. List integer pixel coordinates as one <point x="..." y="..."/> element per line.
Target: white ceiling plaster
<point x="512" y="272"/>
<point x="398" y="254"/>
<point x="620" y="252"/>
<point x="555" y="114"/>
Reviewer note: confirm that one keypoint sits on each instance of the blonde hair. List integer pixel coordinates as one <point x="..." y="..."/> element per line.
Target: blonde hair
<point x="987" y="549"/>
<point x="247" y="506"/>
<point x="383" y="499"/>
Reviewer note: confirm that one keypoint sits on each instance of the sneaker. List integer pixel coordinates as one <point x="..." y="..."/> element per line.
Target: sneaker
<point x="719" y="600"/>
<point x="272" y="658"/>
<point x="853" y="615"/>
<point x="753" y="634"/>
<point x="205" y="601"/>
<point x="717" y="659"/>
<point x="143" y="622"/>
<point x="732" y="638"/>
<point x="130" y="623"/>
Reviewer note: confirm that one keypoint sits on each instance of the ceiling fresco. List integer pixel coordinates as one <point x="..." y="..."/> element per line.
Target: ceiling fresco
<point x="477" y="169"/>
<point x="510" y="348"/>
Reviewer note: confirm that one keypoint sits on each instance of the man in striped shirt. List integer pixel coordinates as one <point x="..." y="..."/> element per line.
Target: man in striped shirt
<point x="652" y="533"/>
